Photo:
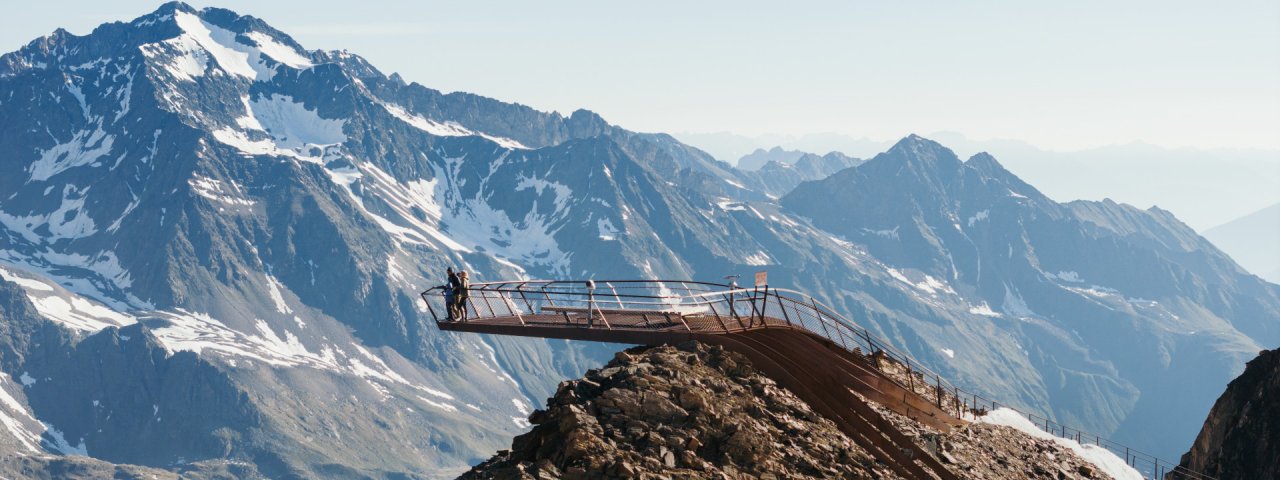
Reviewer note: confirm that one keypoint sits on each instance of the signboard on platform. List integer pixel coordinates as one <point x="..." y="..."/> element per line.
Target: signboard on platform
<point x="762" y="279"/>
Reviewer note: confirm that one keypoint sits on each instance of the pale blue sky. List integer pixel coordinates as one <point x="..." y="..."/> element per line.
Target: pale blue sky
<point x="1061" y="75"/>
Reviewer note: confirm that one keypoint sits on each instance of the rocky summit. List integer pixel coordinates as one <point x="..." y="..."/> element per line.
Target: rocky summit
<point x="697" y="411"/>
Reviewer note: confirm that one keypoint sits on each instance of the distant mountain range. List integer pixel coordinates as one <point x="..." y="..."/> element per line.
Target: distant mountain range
<point x="1096" y="297"/>
<point x="212" y="241"/>
<point x="1252" y="240"/>
<point x="1204" y="187"/>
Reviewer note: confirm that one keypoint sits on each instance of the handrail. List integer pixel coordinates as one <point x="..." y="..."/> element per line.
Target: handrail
<point x="792" y="309"/>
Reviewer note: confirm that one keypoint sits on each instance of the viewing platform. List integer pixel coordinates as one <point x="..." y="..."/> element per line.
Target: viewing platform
<point x="830" y="362"/>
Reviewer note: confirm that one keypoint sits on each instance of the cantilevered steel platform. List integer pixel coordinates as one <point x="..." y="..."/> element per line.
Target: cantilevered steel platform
<point x="832" y="373"/>
<point x="826" y="360"/>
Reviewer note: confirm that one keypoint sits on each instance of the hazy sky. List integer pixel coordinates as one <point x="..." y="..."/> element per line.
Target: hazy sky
<point x="1061" y="75"/>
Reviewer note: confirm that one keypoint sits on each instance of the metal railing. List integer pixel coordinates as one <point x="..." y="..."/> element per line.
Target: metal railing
<point x="718" y="308"/>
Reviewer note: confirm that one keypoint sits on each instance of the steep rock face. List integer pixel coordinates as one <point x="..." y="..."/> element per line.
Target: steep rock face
<point x="1241" y="438"/>
<point x="694" y="411"/>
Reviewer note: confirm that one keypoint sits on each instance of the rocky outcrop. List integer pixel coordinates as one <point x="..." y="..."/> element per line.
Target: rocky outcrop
<point x="1241" y="437"/>
<point x="688" y="412"/>
<point x="695" y="411"/>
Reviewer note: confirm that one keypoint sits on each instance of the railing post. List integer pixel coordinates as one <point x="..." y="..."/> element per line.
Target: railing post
<point x="733" y="311"/>
<point x="485" y="295"/>
<point x="591" y="303"/>
<point x="429" y="309"/>
<point x="527" y="303"/>
<point x="764" y="305"/>
<point x="911" y="377"/>
<point x="506" y="300"/>
<point x="817" y="314"/>
<point x="473" y="308"/>
<point x="956" y="398"/>
<point x="938" y="392"/>
<point x="783" y="306"/>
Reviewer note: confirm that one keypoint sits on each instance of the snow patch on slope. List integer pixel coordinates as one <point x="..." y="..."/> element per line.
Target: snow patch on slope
<point x="66" y="308"/>
<point x="236" y="58"/>
<point x="368" y="183"/>
<point x="69" y="221"/>
<point x="1014" y="304"/>
<point x="181" y="56"/>
<point x="292" y="129"/>
<point x="1100" y="457"/>
<point x="84" y="148"/>
<point x="934" y="286"/>
<point x="441" y="405"/>
<point x="758" y="259"/>
<point x="202" y="334"/>
<point x="1065" y="276"/>
<point x="446" y="129"/>
<point x="977" y="217"/>
<point x="15" y="418"/>
<point x="527" y="240"/>
<point x="100" y="276"/>
<point x="278" y="51"/>
<point x="889" y="233"/>
<point x="984" y="310"/>
<point x="229" y="193"/>
<point x="206" y="336"/>
<point x="273" y="288"/>
<point x="607" y="231"/>
<point x="58" y="443"/>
